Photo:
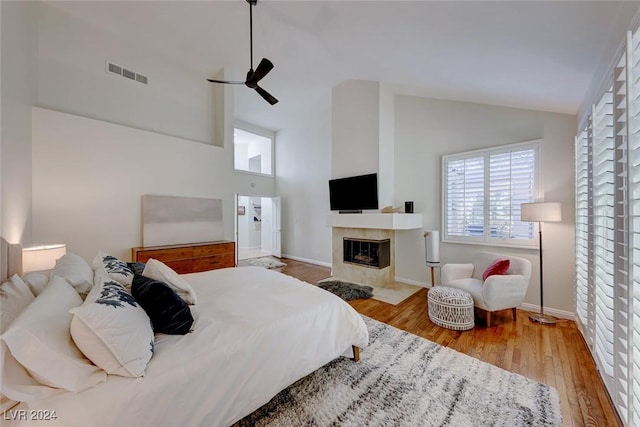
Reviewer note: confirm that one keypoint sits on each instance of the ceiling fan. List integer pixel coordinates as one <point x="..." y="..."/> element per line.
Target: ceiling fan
<point x="253" y="77"/>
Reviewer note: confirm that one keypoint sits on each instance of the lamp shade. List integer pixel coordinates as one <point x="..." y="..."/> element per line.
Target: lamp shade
<point x="41" y="257"/>
<point x="432" y="246"/>
<point x="541" y="212"/>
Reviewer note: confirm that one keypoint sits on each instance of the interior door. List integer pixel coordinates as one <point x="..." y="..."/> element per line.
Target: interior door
<point x="276" y="229"/>
<point x="235" y="225"/>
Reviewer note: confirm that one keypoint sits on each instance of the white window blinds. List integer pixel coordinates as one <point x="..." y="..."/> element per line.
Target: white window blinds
<point x="465" y="197"/>
<point x="511" y="183"/>
<point x="603" y="218"/>
<point x="483" y="191"/>
<point x="608" y="234"/>
<point x="584" y="298"/>
<point x="633" y="141"/>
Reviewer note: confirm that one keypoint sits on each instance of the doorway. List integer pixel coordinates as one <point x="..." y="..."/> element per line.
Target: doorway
<point x="258" y="227"/>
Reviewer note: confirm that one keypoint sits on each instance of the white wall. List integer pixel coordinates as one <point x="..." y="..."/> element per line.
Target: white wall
<point x="303" y="156"/>
<point x="89" y="176"/>
<point x="72" y="78"/>
<point x="261" y="148"/>
<point x="19" y="66"/>
<point x="355" y="128"/>
<point x="386" y="152"/>
<point x="241" y="158"/>
<point x="426" y="129"/>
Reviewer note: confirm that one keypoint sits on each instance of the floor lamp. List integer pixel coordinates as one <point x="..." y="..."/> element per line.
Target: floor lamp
<point x="541" y="212"/>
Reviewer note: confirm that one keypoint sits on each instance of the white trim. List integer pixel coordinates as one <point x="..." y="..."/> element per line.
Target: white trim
<point x="547" y="310"/>
<point x="496" y="149"/>
<point x="310" y="261"/>
<point x="533" y="246"/>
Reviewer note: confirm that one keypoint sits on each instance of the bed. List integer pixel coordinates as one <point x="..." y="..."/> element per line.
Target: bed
<point x="255" y="332"/>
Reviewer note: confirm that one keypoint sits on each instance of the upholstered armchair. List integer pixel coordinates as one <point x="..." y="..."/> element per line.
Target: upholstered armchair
<point x="498" y="291"/>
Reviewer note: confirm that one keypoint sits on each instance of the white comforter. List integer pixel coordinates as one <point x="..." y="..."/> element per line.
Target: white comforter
<point x="256" y="331"/>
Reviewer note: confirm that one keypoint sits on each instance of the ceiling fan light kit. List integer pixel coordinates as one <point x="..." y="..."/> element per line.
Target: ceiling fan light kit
<point x="253" y="77"/>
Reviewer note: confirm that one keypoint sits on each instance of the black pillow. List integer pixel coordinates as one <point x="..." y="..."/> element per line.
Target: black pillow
<point x="137" y="267"/>
<point x="168" y="312"/>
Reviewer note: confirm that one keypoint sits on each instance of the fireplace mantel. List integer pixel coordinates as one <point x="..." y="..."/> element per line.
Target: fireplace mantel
<point x="379" y="221"/>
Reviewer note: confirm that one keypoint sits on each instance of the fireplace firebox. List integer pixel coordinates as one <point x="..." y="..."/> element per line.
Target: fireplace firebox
<point x="367" y="253"/>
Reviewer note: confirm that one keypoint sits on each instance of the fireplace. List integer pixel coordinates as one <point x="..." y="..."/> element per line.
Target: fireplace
<point x="367" y="253"/>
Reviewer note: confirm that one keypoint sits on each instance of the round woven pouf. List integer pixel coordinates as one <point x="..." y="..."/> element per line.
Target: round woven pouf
<point x="450" y="308"/>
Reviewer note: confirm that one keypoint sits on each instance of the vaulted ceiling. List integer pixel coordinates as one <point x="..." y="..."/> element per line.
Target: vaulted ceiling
<point x="527" y="54"/>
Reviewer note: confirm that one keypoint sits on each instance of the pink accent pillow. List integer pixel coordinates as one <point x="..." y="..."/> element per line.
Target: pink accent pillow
<point x="499" y="266"/>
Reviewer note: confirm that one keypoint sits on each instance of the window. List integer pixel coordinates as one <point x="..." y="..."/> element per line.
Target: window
<point x="608" y="233"/>
<point x="253" y="149"/>
<point x="483" y="191"/>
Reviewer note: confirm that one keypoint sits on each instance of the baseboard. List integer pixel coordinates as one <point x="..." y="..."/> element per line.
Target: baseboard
<point x="310" y="261"/>
<point x="547" y="310"/>
<point x="412" y="282"/>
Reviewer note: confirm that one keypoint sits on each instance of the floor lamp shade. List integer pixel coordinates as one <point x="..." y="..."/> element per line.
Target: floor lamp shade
<point x="541" y="212"/>
<point x="41" y="257"/>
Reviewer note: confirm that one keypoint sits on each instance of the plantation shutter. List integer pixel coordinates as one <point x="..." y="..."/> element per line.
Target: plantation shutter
<point x="465" y="197"/>
<point x="621" y="239"/>
<point x="511" y="183"/>
<point x="603" y="218"/>
<point x="584" y="294"/>
<point x="608" y="234"/>
<point x="633" y="114"/>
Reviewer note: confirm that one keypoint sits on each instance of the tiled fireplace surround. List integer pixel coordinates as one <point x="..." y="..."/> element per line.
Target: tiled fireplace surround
<point x="362" y="273"/>
<point x="368" y="227"/>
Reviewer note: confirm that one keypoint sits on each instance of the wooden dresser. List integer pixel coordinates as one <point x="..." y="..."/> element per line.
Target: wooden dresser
<point x="190" y="258"/>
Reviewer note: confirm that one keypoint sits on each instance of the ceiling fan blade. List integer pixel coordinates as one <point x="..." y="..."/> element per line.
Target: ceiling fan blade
<point x="229" y="82"/>
<point x="263" y="69"/>
<point x="266" y="95"/>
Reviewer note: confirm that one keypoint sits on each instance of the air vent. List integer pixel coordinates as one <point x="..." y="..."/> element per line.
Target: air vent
<point x="128" y="74"/>
<point x="113" y="68"/>
<point x="125" y="72"/>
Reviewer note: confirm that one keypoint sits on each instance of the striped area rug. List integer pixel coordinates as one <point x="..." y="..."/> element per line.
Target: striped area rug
<point x="405" y="380"/>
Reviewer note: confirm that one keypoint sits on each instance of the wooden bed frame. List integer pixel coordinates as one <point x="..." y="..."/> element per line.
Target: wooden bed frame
<point x="356" y="353"/>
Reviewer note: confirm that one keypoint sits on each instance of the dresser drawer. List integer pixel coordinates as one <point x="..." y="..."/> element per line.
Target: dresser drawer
<point x="182" y="266"/>
<point x="203" y="251"/>
<point x="165" y="254"/>
<point x="212" y="263"/>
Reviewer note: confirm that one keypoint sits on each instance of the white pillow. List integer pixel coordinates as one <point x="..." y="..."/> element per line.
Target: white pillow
<point x="156" y="270"/>
<point x="37" y="280"/>
<point x="116" y="269"/>
<point x="112" y="330"/>
<point x="17" y="385"/>
<point x="15" y="296"/>
<point x="39" y="340"/>
<point x="75" y="270"/>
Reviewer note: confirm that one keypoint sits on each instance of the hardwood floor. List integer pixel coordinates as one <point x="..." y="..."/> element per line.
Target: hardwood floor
<point x="554" y="355"/>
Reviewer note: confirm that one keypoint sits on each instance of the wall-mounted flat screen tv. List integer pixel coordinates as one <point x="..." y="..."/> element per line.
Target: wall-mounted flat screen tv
<point x="354" y="193"/>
